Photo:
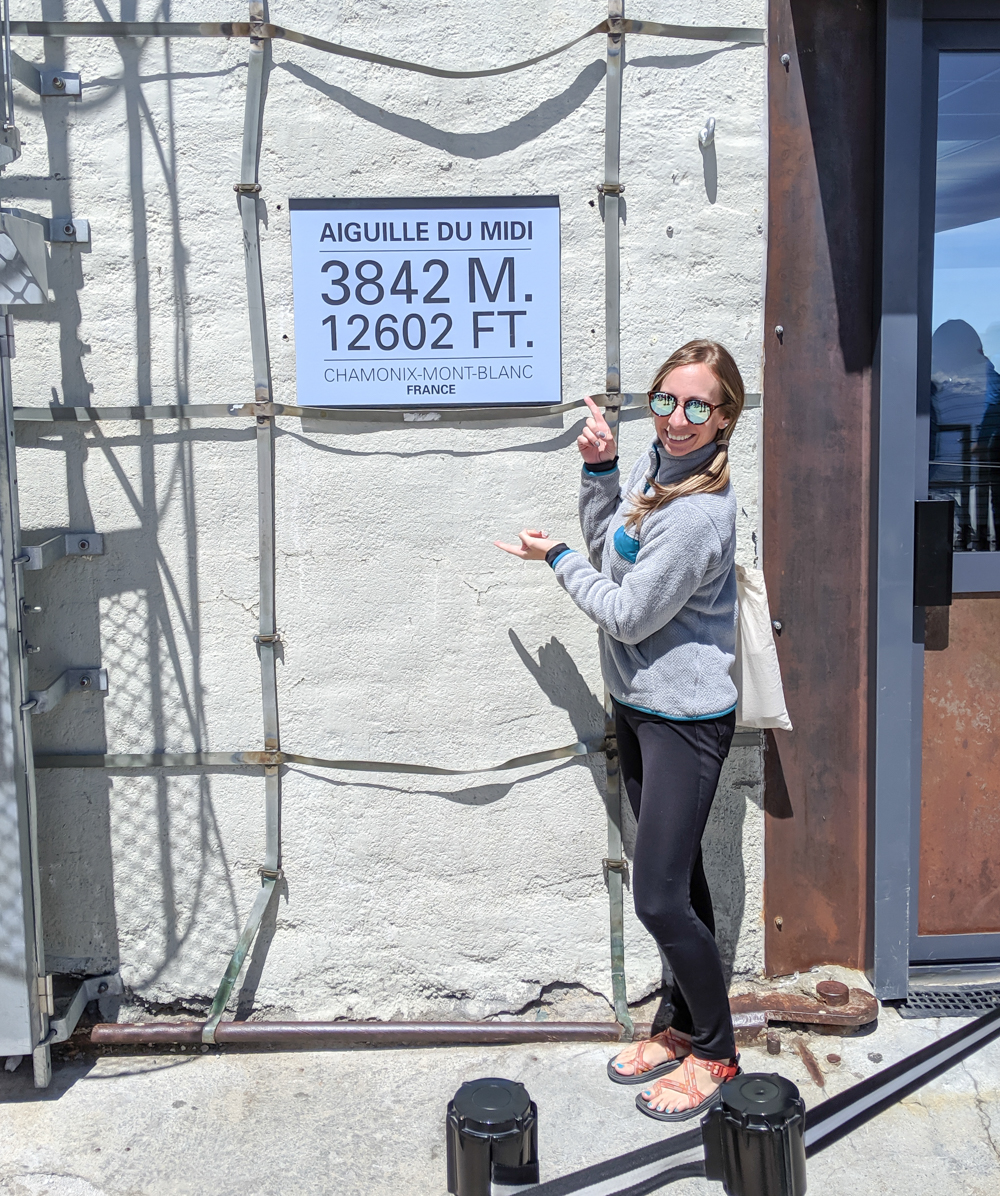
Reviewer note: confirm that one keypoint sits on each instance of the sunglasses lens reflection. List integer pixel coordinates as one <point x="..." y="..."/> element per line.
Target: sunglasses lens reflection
<point x="695" y="411"/>
<point x="662" y="404"/>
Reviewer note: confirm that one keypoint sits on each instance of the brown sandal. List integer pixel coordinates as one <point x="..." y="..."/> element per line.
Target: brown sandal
<point x="643" y="1071"/>
<point x="686" y="1085"/>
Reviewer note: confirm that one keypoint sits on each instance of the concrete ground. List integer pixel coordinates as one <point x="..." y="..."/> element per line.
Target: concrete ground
<point x="184" y="1123"/>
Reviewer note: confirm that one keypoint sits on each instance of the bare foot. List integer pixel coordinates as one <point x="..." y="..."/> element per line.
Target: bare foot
<point x="694" y="1081"/>
<point x="640" y="1057"/>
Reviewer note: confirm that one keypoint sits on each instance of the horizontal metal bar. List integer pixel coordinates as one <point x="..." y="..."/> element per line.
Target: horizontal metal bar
<point x="392" y="415"/>
<point x="59" y="414"/>
<point x="70" y="414"/>
<point x="278" y="33"/>
<point x="271" y="759"/>
<point x="153" y="760"/>
<point x="129" y="29"/>
<point x="360" y="1034"/>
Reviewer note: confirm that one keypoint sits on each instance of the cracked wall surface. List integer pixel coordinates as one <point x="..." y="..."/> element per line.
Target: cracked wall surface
<point x="407" y="635"/>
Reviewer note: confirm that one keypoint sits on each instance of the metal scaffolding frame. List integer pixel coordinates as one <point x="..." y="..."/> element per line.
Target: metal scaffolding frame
<point x="264" y="412"/>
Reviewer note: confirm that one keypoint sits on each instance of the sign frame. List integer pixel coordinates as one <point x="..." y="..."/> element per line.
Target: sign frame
<point x="441" y="205"/>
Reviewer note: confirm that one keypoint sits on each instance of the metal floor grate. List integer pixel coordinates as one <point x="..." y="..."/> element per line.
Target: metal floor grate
<point x="949" y="1002"/>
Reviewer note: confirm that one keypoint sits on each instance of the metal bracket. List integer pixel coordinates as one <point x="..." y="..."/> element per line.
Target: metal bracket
<point x="72" y="681"/>
<point x="617" y="866"/>
<point x="10" y="145"/>
<point x="69" y="544"/>
<point x="62" y="1027"/>
<point x="68" y="228"/>
<point x="248" y="189"/>
<point x="611" y="188"/>
<point x="45" y="998"/>
<point x="60" y="83"/>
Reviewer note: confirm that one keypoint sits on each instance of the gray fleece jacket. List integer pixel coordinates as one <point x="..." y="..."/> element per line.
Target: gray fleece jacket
<point x="665" y="602"/>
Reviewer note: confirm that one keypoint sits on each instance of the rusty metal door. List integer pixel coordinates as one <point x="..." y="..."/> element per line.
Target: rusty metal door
<point x="957" y="828"/>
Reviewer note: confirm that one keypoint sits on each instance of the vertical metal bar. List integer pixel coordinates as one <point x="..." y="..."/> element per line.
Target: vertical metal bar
<point x="267" y="638"/>
<point x="20" y="769"/>
<point x="8" y="79"/>
<point x="612" y="148"/>
<point x="613" y="385"/>
<point x="896" y="356"/>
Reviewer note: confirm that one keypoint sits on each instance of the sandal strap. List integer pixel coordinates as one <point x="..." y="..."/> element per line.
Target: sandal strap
<point x="718" y="1069"/>
<point x="687" y="1087"/>
<point x="683" y="1081"/>
<point x="670" y="1043"/>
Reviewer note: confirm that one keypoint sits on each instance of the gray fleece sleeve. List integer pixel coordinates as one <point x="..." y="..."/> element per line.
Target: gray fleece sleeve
<point x="600" y="494"/>
<point x="676" y="555"/>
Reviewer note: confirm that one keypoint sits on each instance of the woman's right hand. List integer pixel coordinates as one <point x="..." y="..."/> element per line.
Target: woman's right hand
<point x="596" y="442"/>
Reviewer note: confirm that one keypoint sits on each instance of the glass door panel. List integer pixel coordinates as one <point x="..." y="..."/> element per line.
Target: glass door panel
<point x="965" y="347"/>
<point x="958" y="860"/>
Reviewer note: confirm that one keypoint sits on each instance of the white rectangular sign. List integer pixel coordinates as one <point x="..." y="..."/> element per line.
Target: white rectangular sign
<point x="426" y="302"/>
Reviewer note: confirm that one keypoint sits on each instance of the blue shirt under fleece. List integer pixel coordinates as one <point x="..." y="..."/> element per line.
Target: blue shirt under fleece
<point x="664" y="596"/>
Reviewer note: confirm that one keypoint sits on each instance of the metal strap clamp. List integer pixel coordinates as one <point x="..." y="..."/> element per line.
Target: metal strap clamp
<point x="617" y="866"/>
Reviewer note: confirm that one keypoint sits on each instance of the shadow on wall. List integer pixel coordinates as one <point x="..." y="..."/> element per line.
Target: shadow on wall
<point x="141" y="617"/>
<point x="828" y="60"/>
<point x="563" y="684"/>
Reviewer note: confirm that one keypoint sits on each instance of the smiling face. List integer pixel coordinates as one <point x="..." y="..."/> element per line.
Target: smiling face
<point x="675" y="432"/>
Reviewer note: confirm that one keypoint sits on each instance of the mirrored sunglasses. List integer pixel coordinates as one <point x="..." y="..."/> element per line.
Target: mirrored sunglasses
<point x="696" y="411"/>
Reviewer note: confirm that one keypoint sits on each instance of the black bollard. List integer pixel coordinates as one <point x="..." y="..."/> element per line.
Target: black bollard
<point x="492" y="1130"/>
<point x="754" y="1137"/>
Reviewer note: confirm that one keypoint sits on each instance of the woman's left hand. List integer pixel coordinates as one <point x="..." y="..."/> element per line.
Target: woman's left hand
<point x="533" y="547"/>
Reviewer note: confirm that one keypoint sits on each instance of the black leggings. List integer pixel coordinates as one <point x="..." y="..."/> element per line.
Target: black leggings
<point x="670" y="771"/>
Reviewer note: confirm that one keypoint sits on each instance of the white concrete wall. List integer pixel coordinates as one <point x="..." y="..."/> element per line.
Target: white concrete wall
<point x="407" y="635"/>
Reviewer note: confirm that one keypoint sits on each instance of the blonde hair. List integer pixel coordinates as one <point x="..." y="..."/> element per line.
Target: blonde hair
<point x="714" y="474"/>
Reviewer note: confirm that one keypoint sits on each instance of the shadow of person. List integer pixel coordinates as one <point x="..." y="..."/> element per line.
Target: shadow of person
<point x="563" y="684"/>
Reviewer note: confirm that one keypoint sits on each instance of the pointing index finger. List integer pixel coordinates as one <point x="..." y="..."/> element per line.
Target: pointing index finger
<point x="594" y="409"/>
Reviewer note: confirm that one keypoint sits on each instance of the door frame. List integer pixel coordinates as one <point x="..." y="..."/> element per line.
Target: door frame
<point x="913" y="33"/>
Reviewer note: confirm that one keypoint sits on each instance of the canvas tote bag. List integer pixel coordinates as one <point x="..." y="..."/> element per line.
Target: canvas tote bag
<point x="761" y="701"/>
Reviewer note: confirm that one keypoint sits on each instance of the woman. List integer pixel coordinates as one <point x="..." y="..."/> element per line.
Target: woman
<point x="660" y="584"/>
